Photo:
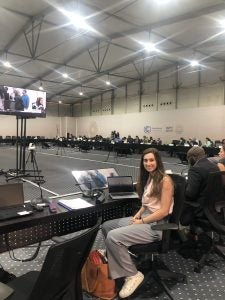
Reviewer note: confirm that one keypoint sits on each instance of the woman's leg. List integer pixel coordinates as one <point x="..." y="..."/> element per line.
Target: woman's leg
<point x="115" y="223"/>
<point x="117" y="243"/>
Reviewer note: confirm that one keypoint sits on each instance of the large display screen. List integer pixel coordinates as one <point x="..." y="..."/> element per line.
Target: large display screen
<point x="22" y="102"/>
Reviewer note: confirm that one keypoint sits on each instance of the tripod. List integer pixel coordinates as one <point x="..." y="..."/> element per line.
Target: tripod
<point x="36" y="172"/>
<point x="112" y="149"/>
<point x="60" y="147"/>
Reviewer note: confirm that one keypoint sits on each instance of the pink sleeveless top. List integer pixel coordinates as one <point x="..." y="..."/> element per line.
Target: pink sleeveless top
<point x="152" y="203"/>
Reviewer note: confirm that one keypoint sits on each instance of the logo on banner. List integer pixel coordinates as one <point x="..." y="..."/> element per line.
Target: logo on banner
<point x="156" y="128"/>
<point x="169" y="129"/>
<point x="147" y="129"/>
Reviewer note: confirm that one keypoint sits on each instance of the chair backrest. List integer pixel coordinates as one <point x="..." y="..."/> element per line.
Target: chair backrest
<point x="179" y="197"/>
<point x="214" y="204"/>
<point x="60" y="275"/>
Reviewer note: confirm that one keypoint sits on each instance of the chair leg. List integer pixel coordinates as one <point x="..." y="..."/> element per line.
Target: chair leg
<point x="203" y="261"/>
<point x="162" y="284"/>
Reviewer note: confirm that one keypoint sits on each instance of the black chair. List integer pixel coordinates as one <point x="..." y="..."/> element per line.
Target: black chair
<point x="152" y="267"/>
<point x="59" y="278"/>
<point x="212" y="223"/>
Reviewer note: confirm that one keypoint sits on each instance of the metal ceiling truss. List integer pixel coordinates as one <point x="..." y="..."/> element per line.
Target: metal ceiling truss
<point x="32" y="27"/>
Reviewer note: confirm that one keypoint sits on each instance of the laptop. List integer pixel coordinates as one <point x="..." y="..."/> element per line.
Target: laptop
<point x="12" y="202"/>
<point x="121" y="187"/>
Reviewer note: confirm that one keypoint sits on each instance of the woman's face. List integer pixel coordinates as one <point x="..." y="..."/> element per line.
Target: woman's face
<point x="222" y="153"/>
<point x="41" y="101"/>
<point x="149" y="162"/>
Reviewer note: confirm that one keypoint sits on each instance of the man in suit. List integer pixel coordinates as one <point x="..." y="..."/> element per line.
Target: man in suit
<point x="200" y="167"/>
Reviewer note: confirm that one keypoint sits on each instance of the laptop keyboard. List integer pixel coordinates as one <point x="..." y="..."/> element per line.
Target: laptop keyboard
<point x="12" y="213"/>
<point x="123" y="193"/>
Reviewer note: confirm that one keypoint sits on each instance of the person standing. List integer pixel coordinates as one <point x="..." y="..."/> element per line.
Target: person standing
<point x="25" y="99"/>
<point x="156" y="189"/>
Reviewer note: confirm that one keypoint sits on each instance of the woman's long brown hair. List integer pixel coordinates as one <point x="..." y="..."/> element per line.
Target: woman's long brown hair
<point x="156" y="176"/>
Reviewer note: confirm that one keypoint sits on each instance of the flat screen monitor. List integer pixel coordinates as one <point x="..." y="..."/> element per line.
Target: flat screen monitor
<point x="93" y="179"/>
<point x="22" y="102"/>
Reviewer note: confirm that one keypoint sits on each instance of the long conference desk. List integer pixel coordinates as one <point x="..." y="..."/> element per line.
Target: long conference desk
<point x="105" y="144"/>
<point x="41" y="226"/>
<point x="132" y="147"/>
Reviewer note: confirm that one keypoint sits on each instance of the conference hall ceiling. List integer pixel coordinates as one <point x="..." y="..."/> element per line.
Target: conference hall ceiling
<point x="94" y="46"/>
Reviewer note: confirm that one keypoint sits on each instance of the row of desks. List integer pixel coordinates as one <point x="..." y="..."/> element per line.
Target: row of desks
<point x="40" y="226"/>
<point x="108" y="146"/>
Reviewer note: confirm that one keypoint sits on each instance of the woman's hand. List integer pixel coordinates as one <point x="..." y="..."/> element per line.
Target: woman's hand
<point x="137" y="216"/>
<point x="136" y="221"/>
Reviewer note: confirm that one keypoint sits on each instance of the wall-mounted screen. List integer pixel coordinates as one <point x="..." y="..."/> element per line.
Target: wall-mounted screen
<point x="22" y="102"/>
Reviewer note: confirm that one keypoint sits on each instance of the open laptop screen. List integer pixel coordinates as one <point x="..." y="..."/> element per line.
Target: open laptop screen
<point x="11" y="195"/>
<point x="120" y="184"/>
<point x="93" y="179"/>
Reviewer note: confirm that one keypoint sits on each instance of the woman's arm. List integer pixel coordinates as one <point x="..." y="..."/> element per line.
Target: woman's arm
<point x="166" y="201"/>
<point x="138" y="214"/>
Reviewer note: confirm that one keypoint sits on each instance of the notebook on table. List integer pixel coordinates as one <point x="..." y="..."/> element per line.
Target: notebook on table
<point x="12" y="202"/>
<point x="121" y="187"/>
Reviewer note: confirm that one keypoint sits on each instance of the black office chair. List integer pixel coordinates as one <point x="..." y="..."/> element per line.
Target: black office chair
<point x="59" y="278"/>
<point x="143" y="252"/>
<point x="213" y="222"/>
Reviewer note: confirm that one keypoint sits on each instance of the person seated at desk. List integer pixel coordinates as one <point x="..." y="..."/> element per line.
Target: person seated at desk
<point x="220" y="158"/>
<point x="221" y="162"/>
<point x="200" y="167"/>
<point x="182" y="141"/>
<point x="208" y="142"/>
<point x="156" y="189"/>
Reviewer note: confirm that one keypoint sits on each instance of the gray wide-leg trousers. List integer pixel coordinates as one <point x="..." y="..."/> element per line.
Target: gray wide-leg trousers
<point x="119" y="235"/>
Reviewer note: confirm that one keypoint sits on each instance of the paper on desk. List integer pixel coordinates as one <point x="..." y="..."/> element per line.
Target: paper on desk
<point x="75" y="203"/>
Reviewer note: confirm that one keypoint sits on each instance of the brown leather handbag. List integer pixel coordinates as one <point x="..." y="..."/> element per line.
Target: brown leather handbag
<point x="95" y="277"/>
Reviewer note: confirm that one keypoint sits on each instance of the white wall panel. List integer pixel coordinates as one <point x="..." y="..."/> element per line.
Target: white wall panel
<point x="120" y="92"/>
<point x="212" y="73"/>
<point x="77" y="109"/>
<point x="188" y="76"/>
<point x="167" y="125"/>
<point x="150" y="84"/>
<point x="96" y="109"/>
<point x="167" y="79"/>
<point x="52" y="109"/>
<point x="86" y="108"/>
<point x="119" y="105"/>
<point x="106" y="106"/>
<point x="133" y="89"/>
<point x="188" y="97"/>
<point x="133" y="104"/>
<point x="211" y="96"/>
<point x="148" y="102"/>
<point x="166" y="99"/>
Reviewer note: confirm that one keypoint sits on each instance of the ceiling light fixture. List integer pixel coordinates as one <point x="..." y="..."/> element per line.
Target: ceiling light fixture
<point x="194" y="63"/>
<point x="162" y="1"/>
<point x="41" y="87"/>
<point x="81" y="91"/>
<point x="77" y="20"/>
<point x="7" y="64"/>
<point x="65" y="75"/>
<point x="107" y="82"/>
<point x="149" y="47"/>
